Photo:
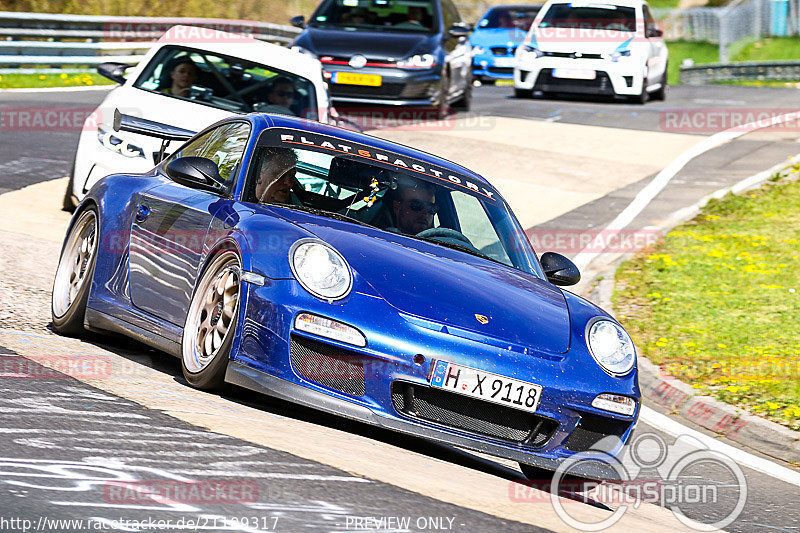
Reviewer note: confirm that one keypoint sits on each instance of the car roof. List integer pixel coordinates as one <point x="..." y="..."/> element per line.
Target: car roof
<point x="621" y="3"/>
<point x="285" y="121"/>
<point x="515" y="6"/>
<point x="241" y="46"/>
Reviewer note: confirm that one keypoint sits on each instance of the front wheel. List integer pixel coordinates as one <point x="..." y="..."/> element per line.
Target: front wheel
<point x="69" y="203"/>
<point x="523" y="93"/>
<point x="211" y="323"/>
<point x="661" y="94"/>
<point x="74" y="274"/>
<point x="465" y="102"/>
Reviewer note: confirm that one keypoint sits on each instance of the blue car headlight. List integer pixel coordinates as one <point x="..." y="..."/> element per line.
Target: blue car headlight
<point x="611" y="347"/>
<point x="320" y="269"/>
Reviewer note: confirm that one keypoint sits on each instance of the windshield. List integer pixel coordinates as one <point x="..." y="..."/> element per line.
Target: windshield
<point x="395" y="193"/>
<point x="229" y="83"/>
<point x="590" y="16"/>
<point x="511" y="18"/>
<point x="401" y="15"/>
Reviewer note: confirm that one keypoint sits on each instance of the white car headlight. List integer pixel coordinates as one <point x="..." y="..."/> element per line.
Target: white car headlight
<point x="418" y="61"/>
<point x="611" y="347"/>
<point x="320" y="269"/>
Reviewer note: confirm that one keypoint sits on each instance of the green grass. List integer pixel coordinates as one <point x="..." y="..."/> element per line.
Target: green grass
<point x="771" y="48"/>
<point x="18" y="81"/>
<point x="701" y="52"/>
<point x="717" y="304"/>
<point x="659" y="4"/>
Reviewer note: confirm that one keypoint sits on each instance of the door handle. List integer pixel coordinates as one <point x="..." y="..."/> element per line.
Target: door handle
<point x="142" y="212"/>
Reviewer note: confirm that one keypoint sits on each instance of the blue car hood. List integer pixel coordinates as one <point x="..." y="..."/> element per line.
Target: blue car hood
<point x="450" y="288"/>
<point x="496" y="37"/>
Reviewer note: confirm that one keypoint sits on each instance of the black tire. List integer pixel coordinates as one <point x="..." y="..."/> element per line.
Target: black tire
<point x="442" y="106"/>
<point x="69" y="203"/>
<point x="203" y="367"/>
<point x="70" y="286"/>
<point x="641" y="98"/>
<point x="465" y="102"/>
<point x="523" y="93"/>
<point x="661" y="94"/>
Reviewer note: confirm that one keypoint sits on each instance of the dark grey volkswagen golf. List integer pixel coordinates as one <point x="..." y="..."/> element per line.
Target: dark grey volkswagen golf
<point x="391" y="52"/>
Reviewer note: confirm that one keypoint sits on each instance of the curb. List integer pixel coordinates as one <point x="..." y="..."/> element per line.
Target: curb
<point x="738" y="425"/>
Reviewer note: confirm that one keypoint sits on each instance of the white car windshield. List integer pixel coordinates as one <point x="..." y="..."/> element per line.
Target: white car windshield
<point x="590" y="16"/>
<point x="229" y="83"/>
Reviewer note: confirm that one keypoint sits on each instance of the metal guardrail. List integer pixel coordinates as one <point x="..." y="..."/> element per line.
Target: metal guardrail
<point x="123" y="39"/>
<point x="762" y="70"/>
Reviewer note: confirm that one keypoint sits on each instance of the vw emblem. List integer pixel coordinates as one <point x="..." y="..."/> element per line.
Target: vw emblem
<point x="358" y="61"/>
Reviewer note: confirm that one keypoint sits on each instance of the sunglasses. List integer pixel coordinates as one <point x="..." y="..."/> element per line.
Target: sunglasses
<point x="419" y="205"/>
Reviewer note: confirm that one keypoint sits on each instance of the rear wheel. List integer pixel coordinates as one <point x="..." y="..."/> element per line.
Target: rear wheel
<point x="211" y="323"/>
<point x="74" y="275"/>
<point x="523" y="93"/>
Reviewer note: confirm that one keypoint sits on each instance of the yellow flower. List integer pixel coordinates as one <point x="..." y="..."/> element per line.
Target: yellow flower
<point x="711" y="217"/>
<point x="64" y="76"/>
<point x="721" y="346"/>
<point x="42" y="77"/>
<point x="772" y="406"/>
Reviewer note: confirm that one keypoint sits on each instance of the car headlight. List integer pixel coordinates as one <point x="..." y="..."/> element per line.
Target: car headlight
<point x="320" y="269"/>
<point x="418" y="61"/>
<point x="530" y="49"/>
<point x="615" y="56"/>
<point x="303" y="51"/>
<point x="611" y="347"/>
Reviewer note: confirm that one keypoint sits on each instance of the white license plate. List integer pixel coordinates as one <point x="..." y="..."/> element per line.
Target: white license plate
<point x="486" y="386"/>
<point x="504" y="62"/>
<point x="574" y="73"/>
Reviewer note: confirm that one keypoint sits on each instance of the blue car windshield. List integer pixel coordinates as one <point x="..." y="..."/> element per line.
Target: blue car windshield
<point x="418" y="16"/>
<point x="519" y="18"/>
<point x="393" y="192"/>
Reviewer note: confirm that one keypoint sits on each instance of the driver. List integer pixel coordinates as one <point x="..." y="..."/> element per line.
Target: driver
<point x="413" y="206"/>
<point x="276" y="175"/>
<point x="182" y="75"/>
<point x="281" y="94"/>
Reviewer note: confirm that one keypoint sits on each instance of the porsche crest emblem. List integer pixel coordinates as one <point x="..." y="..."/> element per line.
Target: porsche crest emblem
<point x="481" y="318"/>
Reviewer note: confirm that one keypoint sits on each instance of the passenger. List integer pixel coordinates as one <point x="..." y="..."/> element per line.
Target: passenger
<point x="276" y="176"/>
<point x="413" y="206"/>
<point x="183" y="75"/>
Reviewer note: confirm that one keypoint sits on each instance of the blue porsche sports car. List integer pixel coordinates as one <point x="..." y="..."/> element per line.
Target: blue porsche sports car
<point x="495" y="39"/>
<point x="355" y="276"/>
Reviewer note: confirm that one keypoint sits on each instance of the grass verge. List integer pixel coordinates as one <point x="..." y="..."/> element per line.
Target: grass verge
<point x="718" y="303"/>
<point x="700" y="52"/>
<point x="28" y="81"/>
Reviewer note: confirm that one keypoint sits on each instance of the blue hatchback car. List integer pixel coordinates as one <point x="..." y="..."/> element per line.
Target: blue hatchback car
<point x="495" y="39"/>
<point x="355" y="276"/>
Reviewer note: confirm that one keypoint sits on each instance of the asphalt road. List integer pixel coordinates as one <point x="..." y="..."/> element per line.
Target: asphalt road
<point x="63" y="441"/>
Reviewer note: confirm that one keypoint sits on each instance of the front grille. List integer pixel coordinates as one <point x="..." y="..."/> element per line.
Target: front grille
<point x="501" y="70"/>
<point x="503" y="50"/>
<point x="573" y="55"/>
<point x="600" y="85"/>
<point x="591" y="429"/>
<point x="387" y="90"/>
<point x="328" y="365"/>
<point x="472" y="415"/>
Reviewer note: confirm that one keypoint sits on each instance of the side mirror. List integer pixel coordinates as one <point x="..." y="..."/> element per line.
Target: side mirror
<point x="197" y="172"/>
<point x="654" y="32"/>
<point x="113" y="71"/>
<point x="559" y="270"/>
<point x="298" y="22"/>
<point x="459" y="30"/>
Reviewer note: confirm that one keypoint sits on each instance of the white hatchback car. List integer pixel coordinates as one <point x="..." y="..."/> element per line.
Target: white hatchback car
<point x="609" y="48"/>
<point x="190" y="79"/>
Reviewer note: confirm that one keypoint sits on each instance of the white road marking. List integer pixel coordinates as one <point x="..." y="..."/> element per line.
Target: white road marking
<point x="660" y="181"/>
<point x="743" y="458"/>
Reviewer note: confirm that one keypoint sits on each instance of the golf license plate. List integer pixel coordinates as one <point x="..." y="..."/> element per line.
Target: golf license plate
<point x="486" y="386"/>
<point x="351" y="78"/>
<point x="574" y="73"/>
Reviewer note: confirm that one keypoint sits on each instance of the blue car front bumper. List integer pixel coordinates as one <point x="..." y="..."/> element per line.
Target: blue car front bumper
<point x="384" y="384"/>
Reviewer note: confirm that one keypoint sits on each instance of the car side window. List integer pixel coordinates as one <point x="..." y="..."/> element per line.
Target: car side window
<point x="224" y="145"/>
<point x="649" y="21"/>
